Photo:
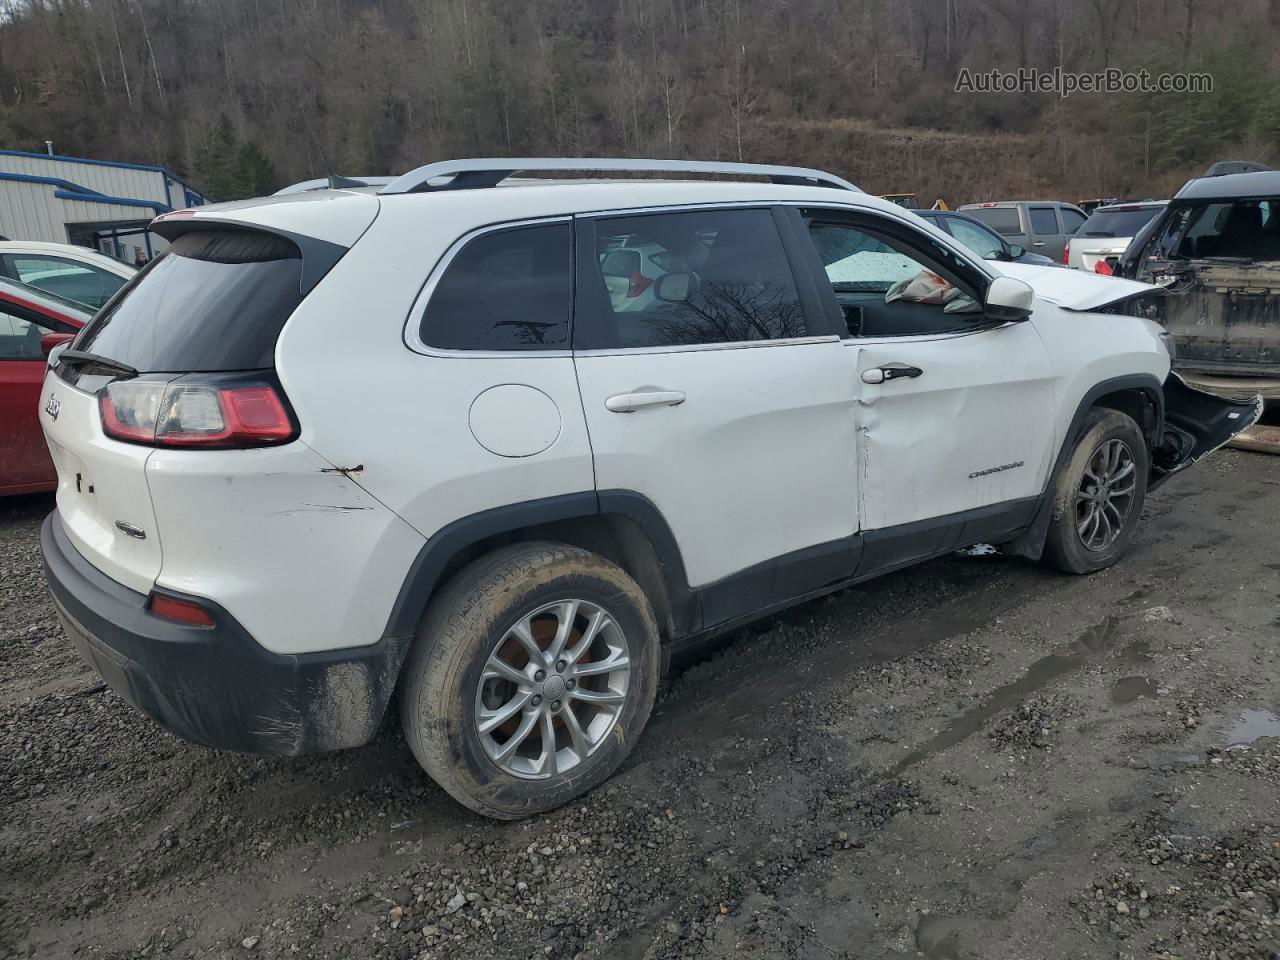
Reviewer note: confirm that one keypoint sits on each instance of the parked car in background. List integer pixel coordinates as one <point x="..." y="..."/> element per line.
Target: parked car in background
<point x="981" y="239"/>
<point x="1088" y="206"/>
<point x="1097" y="245"/>
<point x="259" y="560"/>
<point x="1041" y="226"/>
<point x="31" y="323"/>
<point x="1215" y="248"/>
<point x="76" y="273"/>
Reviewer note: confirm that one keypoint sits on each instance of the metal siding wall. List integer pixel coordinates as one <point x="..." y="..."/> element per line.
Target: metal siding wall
<point x="29" y="211"/>
<point x="113" y="181"/>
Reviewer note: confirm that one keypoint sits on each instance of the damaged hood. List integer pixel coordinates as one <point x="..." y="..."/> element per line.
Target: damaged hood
<point x="1075" y="289"/>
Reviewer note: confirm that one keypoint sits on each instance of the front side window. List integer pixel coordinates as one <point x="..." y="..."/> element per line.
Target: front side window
<point x="982" y="242"/>
<point x="1044" y="221"/>
<point x="682" y="279"/>
<point x="886" y="287"/>
<point x="505" y="290"/>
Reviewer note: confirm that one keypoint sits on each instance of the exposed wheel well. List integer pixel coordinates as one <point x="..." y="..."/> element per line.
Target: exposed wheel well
<point x="1141" y="406"/>
<point x="615" y="537"/>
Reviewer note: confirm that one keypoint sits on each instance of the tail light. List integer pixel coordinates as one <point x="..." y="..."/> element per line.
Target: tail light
<point x="1066" y="254"/>
<point x="1103" y="268"/>
<point x="179" y="611"/>
<point x="637" y="284"/>
<point x="188" y="412"/>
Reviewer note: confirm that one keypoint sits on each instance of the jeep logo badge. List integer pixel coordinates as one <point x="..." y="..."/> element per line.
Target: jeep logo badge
<point x="52" y="407"/>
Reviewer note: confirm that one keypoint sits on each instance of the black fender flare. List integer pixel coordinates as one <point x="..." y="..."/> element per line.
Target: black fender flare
<point x="442" y="547"/>
<point x="1030" y="543"/>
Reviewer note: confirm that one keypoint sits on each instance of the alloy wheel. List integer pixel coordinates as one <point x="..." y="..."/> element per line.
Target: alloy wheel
<point x="1105" y="495"/>
<point x="552" y="689"/>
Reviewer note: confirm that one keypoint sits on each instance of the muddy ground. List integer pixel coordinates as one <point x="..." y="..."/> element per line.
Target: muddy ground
<point x="972" y="759"/>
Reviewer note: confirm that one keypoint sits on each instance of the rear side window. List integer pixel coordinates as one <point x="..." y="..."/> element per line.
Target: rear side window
<point x="1044" y="221"/>
<point x="67" y="278"/>
<point x="1071" y="219"/>
<point x="19" y="337"/>
<point x="703" y="277"/>
<point x="1000" y="219"/>
<point x="216" y="300"/>
<point x="505" y="290"/>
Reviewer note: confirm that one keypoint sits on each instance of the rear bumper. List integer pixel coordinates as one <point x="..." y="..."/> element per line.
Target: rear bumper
<point x="216" y="685"/>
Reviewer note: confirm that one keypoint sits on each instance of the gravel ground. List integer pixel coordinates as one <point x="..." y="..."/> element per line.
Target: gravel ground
<point x="973" y="758"/>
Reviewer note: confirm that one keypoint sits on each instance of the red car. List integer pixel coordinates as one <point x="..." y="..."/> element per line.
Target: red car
<point x="32" y="323"/>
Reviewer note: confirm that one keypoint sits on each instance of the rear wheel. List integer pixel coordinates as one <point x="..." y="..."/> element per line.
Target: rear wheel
<point x="532" y="675"/>
<point x="1099" y="494"/>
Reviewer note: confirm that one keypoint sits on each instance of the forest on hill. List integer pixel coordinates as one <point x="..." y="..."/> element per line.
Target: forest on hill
<point x="246" y="95"/>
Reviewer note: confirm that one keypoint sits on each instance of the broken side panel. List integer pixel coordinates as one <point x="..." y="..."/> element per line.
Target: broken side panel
<point x="1195" y="424"/>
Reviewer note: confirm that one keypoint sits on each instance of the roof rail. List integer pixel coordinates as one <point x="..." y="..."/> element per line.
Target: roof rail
<point x="333" y="182"/>
<point x="1225" y="168"/>
<point x="489" y="172"/>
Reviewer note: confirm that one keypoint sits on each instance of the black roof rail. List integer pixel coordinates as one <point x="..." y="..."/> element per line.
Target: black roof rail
<point x="489" y="172"/>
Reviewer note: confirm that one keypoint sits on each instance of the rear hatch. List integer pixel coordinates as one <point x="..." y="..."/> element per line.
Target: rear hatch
<point x="182" y="356"/>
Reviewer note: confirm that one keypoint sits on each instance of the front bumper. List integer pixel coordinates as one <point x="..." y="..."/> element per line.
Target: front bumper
<point x="216" y="685"/>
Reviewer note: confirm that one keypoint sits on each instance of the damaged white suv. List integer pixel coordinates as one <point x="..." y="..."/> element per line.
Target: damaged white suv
<point x="409" y="442"/>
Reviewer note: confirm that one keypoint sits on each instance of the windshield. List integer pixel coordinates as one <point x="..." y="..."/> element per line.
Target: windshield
<point x="1247" y="229"/>
<point x="1118" y="221"/>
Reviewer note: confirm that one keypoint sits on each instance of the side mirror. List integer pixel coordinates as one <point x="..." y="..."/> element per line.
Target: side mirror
<point x="1009" y="300"/>
<point x="51" y="341"/>
<point x="675" y="287"/>
<point x="1017" y="250"/>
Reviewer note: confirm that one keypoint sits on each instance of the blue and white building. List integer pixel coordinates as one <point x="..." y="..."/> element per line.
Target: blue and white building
<point x="94" y="203"/>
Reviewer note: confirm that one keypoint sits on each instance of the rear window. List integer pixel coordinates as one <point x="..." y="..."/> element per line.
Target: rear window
<point x="1119" y="222"/>
<point x="1000" y="219"/>
<point x="216" y="300"/>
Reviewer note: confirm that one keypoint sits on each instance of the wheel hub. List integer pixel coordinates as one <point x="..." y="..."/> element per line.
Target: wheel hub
<point x="552" y="689"/>
<point x="1105" y="495"/>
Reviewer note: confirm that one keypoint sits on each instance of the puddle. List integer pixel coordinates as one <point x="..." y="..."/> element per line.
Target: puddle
<point x="1129" y="689"/>
<point x="939" y="937"/>
<point x="1251" y="725"/>
<point x="1094" y="642"/>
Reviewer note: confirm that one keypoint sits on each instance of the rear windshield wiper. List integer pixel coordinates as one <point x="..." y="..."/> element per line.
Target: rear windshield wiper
<point x="82" y="358"/>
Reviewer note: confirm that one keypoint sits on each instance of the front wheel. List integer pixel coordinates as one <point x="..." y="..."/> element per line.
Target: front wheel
<point x="1099" y="494"/>
<point x="532" y="675"/>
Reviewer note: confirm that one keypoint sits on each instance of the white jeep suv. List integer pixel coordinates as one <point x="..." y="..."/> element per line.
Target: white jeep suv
<point x="405" y="443"/>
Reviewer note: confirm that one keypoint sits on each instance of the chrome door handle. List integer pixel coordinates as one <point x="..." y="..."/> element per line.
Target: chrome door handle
<point x="1037" y="243"/>
<point x="892" y="371"/>
<point x="631" y="402"/>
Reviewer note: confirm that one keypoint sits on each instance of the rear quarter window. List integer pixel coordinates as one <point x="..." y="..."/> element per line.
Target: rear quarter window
<point x="507" y="290"/>
<point x="216" y="300"/>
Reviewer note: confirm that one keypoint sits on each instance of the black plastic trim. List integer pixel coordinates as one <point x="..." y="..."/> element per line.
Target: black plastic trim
<point x="904" y="544"/>
<point x="779" y="580"/>
<point x="216" y="685"/>
<point x="446" y="544"/>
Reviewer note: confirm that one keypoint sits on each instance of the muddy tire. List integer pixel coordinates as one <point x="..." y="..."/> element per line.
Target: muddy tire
<point x="532" y="675"/>
<point x="1099" y="494"/>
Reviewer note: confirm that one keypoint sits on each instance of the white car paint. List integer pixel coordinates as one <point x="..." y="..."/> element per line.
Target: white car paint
<point x="776" y="447"/>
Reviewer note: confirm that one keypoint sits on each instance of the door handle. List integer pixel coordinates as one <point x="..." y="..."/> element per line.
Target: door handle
<point x="1037" y="243"/>
<point x="631" y="402"/>
<point x="893" y="371"/>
